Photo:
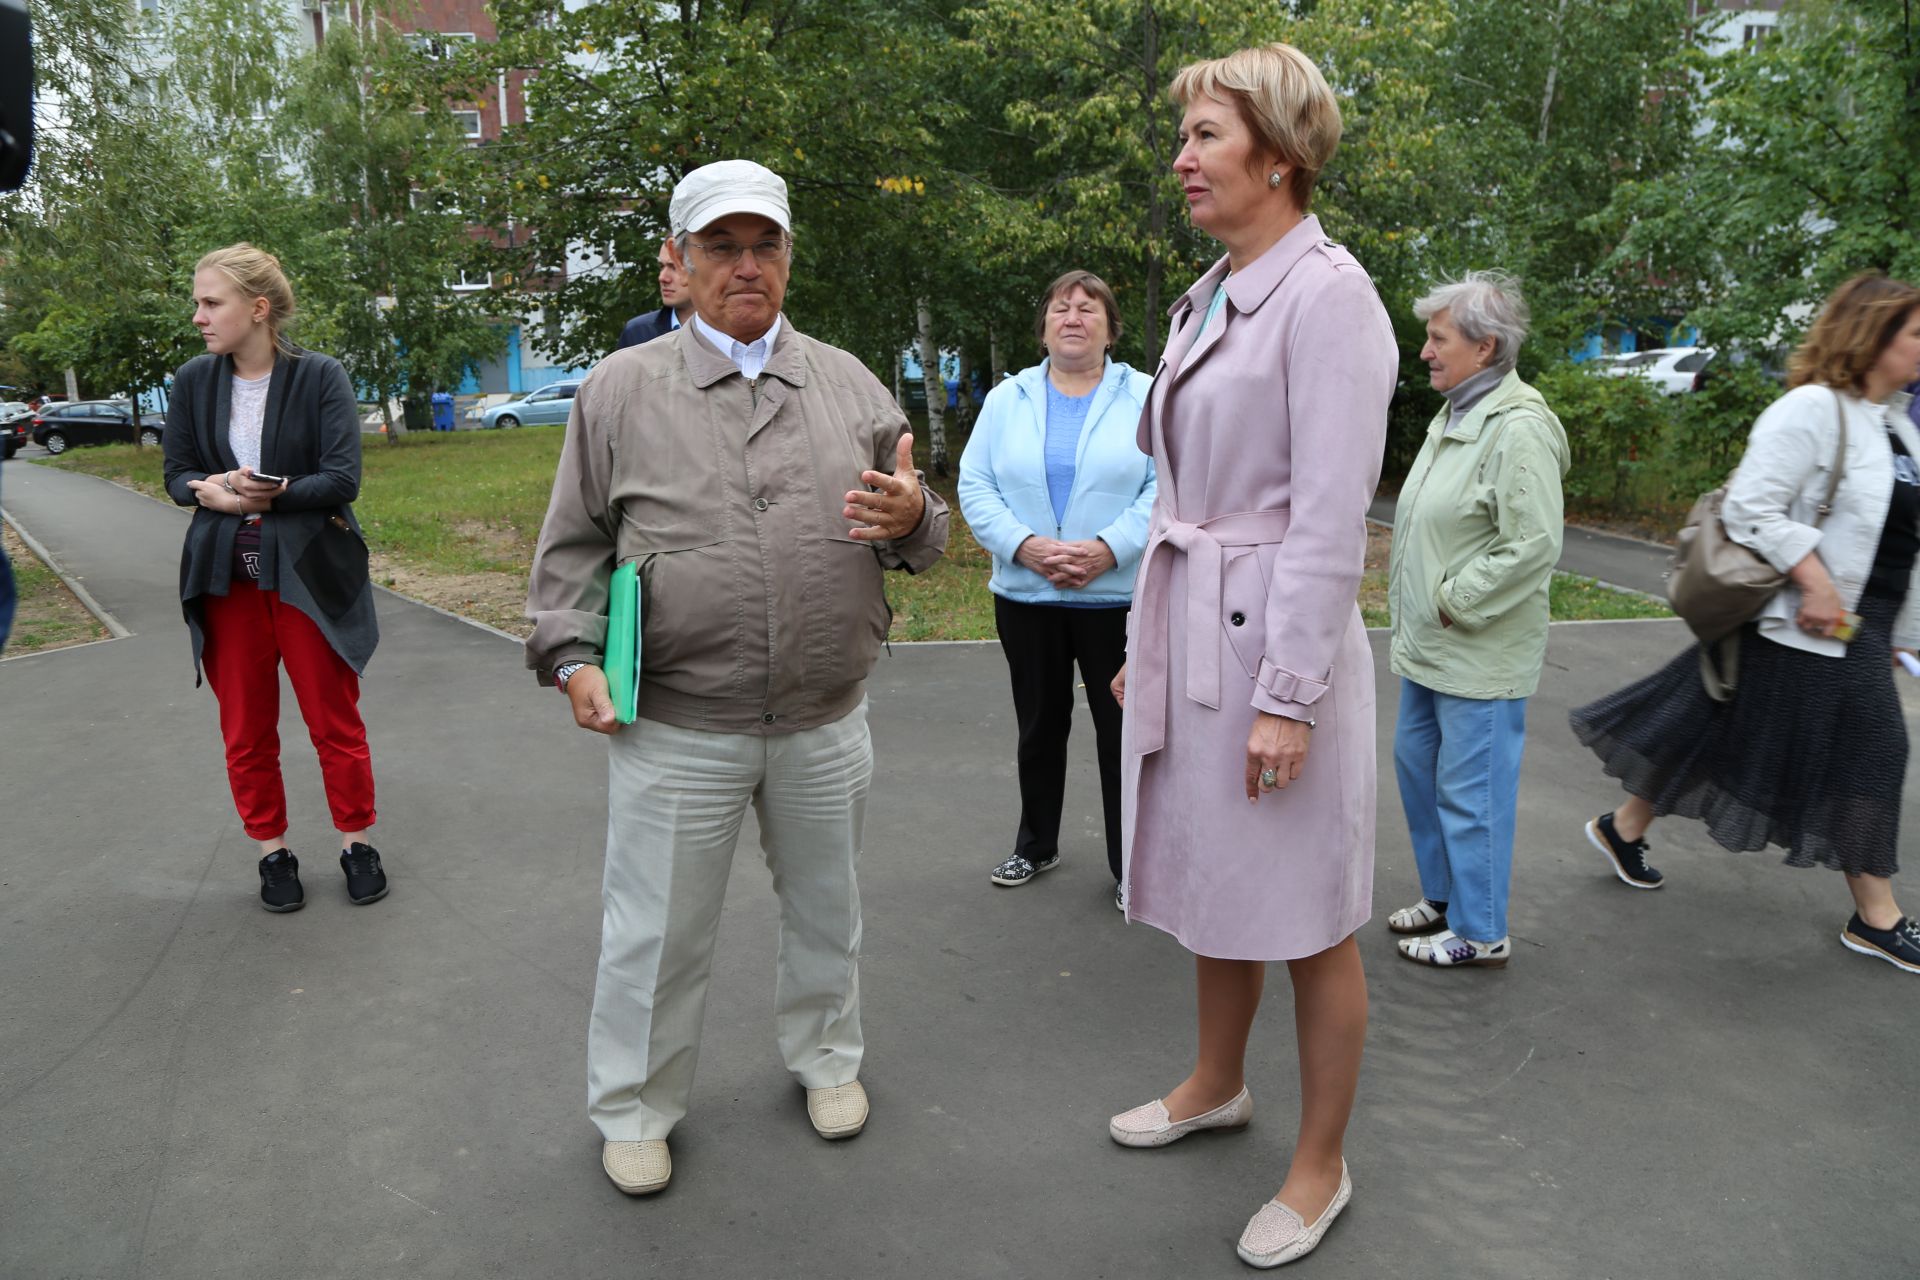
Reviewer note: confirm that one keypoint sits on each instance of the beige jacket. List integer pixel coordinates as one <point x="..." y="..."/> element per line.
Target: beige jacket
<point x="761" y="614"/>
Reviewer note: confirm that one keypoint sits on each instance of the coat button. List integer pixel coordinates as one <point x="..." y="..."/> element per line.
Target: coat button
<point x="767" y="718"/>
<point x="759" y="504"/>
<point x="1238" y="619"/>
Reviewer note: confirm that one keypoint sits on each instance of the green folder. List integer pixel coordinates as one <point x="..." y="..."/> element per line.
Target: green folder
<point x="623" y="641"/>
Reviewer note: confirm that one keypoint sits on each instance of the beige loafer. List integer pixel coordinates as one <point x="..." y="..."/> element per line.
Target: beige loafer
<point x="1151" y="1126"/>
<point x="839" y="1112"/>
<point x="1277" y="1234"/>
<point x="638" y="1168"/>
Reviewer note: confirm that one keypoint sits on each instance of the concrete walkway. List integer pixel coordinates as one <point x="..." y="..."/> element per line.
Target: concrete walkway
<point x="1698" y="1082"/>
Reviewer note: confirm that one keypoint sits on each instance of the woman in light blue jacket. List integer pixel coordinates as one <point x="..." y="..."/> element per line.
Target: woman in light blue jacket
<point x="1055" y="487"/>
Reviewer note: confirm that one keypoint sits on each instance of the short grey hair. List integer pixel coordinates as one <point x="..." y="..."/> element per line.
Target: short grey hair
<point x="1482" y="304"/>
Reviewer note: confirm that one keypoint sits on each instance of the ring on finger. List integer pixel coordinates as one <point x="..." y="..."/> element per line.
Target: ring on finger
<point x="1268" y="778"/>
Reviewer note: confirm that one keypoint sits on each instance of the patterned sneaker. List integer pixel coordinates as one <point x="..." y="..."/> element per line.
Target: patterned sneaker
<point x="1447" y="949"/>
<point x="1016" y="871"/>
<point x="280" y="882"/>
<point x="366" y="882"/>
<point x="1629" y="860"/>
<point x="1898" y="946"/>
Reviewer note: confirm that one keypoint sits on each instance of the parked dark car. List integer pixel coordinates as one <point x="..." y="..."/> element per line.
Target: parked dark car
<point x="15" y="421"/>
<point x="60" y="427"/>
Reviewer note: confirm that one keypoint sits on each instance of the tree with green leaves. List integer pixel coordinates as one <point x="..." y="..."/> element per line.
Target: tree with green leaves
<point x="385" y="164"/>
<point x="1803" y="175"/>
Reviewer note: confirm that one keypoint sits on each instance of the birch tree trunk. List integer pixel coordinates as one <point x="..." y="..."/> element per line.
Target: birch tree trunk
<point x="936" y="393"/>
<point x="996" y="367"/>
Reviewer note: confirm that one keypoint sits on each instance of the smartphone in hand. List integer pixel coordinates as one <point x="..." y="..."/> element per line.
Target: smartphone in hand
<point x="265" y="478"/>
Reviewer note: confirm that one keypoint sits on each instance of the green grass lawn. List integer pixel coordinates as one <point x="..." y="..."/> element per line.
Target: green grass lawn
<point x="452" y="518"/>
<point x="46" y="614"/>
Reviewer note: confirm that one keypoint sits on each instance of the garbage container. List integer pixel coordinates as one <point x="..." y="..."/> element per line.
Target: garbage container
<point x="442" y="411"/>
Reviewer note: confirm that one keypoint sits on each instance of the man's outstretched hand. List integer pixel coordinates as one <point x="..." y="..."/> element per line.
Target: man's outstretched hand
<point x="892" y="505"/>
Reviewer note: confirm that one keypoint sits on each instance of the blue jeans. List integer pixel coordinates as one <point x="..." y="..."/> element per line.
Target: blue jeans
<point x="1458" y="762"/>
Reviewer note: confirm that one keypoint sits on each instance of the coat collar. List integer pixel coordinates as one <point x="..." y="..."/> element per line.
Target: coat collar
<point x="270" y="420"/>
<point x="1508" y="392"/>
<point x="1247" y="290"/>
<point x="708" y="364"/>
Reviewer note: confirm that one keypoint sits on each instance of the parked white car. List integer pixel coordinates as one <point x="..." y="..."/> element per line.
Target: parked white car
<point x="1672" y="369"/>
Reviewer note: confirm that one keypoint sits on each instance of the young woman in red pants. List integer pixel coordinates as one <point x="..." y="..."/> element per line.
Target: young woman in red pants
<point x="263" y="440"/>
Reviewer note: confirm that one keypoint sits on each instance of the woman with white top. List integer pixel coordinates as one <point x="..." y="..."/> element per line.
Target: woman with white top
<point x="263" y="440"/>
<point x="1810" y="753"/>
<point x="1055" y="487"/>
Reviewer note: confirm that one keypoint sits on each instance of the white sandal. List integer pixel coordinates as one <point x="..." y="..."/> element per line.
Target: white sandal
<point x="1423" y="916"/>
<point x="1448" y="949"/>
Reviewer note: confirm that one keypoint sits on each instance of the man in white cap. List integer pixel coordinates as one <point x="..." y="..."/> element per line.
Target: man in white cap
<point x="763" y="482"/>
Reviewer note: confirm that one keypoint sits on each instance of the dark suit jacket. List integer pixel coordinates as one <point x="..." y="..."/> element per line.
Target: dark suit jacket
<point x="645" y="328"/>
<point x="311" y="436"/>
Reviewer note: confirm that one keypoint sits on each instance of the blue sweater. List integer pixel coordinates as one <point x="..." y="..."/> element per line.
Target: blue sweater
<point x="1006" y="498"/>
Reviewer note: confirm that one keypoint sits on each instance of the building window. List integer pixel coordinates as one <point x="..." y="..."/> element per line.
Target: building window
<point x="467" y="281"/>
<point x="440" y="44"/>
<point x="1754" y="34"/>
<point x="468" y="122"/>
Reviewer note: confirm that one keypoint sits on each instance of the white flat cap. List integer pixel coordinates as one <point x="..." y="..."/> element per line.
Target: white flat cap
<point x="728" y="186"/>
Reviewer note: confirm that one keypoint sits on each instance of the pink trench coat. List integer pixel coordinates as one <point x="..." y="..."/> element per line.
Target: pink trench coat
<point x="1268" y="432"/>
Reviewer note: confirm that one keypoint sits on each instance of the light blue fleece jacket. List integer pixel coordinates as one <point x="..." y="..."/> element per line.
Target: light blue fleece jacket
<point x="1003" y="484"/>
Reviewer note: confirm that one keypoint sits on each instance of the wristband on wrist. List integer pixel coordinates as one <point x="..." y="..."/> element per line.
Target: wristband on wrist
<point x="565" y="672"/>
<point x="226" y="482"/>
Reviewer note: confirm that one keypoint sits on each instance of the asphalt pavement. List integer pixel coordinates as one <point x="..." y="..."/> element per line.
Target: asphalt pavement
<point x="1693" y="1083"/>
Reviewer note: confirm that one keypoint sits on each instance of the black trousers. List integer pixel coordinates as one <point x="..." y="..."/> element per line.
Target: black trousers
<point x="1042" y="643"/>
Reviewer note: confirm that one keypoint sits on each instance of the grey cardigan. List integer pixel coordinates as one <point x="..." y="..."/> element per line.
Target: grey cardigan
<point x="312" y="436"/>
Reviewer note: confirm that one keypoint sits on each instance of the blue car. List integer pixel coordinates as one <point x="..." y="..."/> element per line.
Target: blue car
<point x="550" y="403"/>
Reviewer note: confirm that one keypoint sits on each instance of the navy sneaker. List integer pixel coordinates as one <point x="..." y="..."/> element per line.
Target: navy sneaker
<point x="280" y="882"/>
<point x="1629" y="859"/>
<point x="1898" y="946"/>
<point x="366" y="882"/>
<point x="1016" y="871"/>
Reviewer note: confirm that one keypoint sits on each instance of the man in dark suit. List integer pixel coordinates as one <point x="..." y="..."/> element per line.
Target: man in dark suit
<point x="678" y="306"/>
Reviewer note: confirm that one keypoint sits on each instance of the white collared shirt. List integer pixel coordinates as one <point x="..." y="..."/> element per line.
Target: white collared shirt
<point x="750" y="358"/>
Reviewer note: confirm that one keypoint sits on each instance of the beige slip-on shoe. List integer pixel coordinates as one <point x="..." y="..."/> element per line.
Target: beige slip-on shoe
<point x="1277" y="1234"/>
<point x="1151" y="1126"/>
<point x="839" y="1112"/>
<point x="638" y="1168"/>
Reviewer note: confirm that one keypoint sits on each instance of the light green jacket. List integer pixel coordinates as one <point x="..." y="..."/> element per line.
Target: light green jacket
<point x="1477" y="533"/>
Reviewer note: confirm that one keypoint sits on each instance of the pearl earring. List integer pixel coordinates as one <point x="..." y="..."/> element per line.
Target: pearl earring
<point x="1273" y="180"/>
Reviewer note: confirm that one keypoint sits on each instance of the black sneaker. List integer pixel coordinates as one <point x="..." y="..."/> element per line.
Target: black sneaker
<point x="366" y="882"/>
<point x="1629" y="860"/>
<point x="280" y="882"/>
<point x="1898" y="946"/>
<point x="1016" y="871"/>
<point x="1120" y="898"/>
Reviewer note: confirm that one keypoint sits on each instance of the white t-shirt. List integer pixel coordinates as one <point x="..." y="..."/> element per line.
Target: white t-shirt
<point x="248" y="419"/>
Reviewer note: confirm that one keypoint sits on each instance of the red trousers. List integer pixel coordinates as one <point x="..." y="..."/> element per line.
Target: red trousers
<point x="249" y="633"/>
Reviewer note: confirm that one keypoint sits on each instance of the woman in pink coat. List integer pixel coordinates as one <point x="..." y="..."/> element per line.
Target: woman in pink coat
<point x="1248" y="766"/>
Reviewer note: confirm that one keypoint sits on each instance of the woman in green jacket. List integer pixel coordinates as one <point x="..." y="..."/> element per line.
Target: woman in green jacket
<point x="1476" y="535"/>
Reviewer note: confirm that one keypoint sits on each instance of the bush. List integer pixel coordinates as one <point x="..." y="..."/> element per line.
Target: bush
<point x="1615" y="429"/>
<point x="1711" y="427"/>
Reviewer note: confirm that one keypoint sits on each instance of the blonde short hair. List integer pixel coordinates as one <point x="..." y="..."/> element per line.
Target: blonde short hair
<point x="1284" y="99"/>
<point x="257" y="274"/>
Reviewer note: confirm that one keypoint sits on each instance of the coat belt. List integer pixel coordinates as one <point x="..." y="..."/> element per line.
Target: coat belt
<point x="1147" y="675"/>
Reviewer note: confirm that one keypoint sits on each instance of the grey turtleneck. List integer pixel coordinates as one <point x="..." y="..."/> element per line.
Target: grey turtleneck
<point x="1466" y="393"/>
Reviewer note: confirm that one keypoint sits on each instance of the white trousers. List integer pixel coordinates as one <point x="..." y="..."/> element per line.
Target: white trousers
<point x="676" y="799"/>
